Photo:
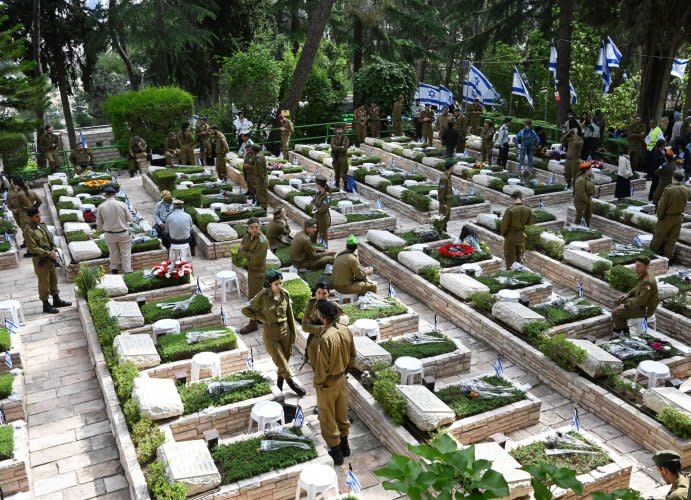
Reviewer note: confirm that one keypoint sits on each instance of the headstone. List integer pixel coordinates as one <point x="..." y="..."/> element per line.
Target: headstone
<point x="503" y="463"/>
<point x="433" y="205"/>
<point x="514" y="314"/>
<point x="424" y="408"/>
<point x="374" y="180"/>
<point x="482" y="179"/>
<point x="190" y="463"/>
<point x="317" y="155"/>
<point x="272" y="260"/>
<point x="659" y="397"/>
<point x="396" y="191"/>
<point x="139" y="349"/>
<point x="126" y="313"/>
<point x="601" y="179"/>
<point x="685" y="235"/>
<point x="69" y="211"/>
<point x="368" y="353"/>
<point x="69" y="227"/>
<point x="666" y="290"/>
<point x="582" y="259"/>
<point x="415" y="261"/>
<point x="384" y="239"/>
<point x="408" y="153"/>
<point x="63" y="187"/>
<point x="598" y="361"/>
<point x="327" y="161"/>
<point x="461" y="285"/>
<point x="508" y="295"/>
<point x="302" y="201"/>
<point x="221" y="232"/>
<point x="645" y="218"/>
<point x="337" y="218"/>
<point x="76" y="202"/>
<point x="208" y="211"/>
<point x="114" y="284"/>
<point x="546" y="237"/>
<point x="487" y="220"/>
<point x="158" y="398"/>
<point x="522" y="189"/>
<point x="84" y="250"/>
<point x="432" y="161"/>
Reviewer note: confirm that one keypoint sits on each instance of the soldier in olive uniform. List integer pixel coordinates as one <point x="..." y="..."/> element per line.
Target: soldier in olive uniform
<point x="135" y="151"/>
<point x="640" y="302"/>
<point x="670" y="211"/>
<point x="249" y="171"/>
<point x="664" y="175"/>
<point x="573" y="152"/>
<point x="335" y="356"/>
<point x="303" y="254"/>
<point x="360" y="124"/>
<point x="203" y="133"/>
<point x="475" y="114"/>
<point x="443" y="123"/>
<point x="321" y="209"/>
<point x="40" y="243"/>
<point x="260" y="177"/>
<point x="635" y="135"/>
<point x="445" y="192"/>
<point x="253" y="247"/>
<point x="461" y="124"/>
<point x="373" y="119"/>
<point x="278" y="230"/>
<point x="171" y="148"/>
<point x="81" y="158"/>
<point x="273" y="307"/>
<point x="513" y="223"/>
<point x="583" y="192"/>
<point x="668" y="464"/>
<point x="312" y="324"/>
<point x="396" y="114"/>
<point x="221" y="151"/>
<point x="348" y="275"/>
<point x="286" y="130"/>
<point x="186" y="141"/>
<point x="339" y="153"/>
<point x="48" y="145"/>
<point x="487" y="136"/>
<point x="426" y="118"/>
<point x="19" y="199"/>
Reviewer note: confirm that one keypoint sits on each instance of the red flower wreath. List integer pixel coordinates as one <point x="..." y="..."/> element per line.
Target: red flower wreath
<point x="458" y="251"/>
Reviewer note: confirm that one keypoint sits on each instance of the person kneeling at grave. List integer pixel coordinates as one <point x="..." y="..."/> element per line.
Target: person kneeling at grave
<point x="668" y="464"/>
<point x="179" y="227"/>
<point x="278" y="230"/>
<point x="303" y="254"/>
<point x="348" y="275"/>
<point x="640" y="302"/>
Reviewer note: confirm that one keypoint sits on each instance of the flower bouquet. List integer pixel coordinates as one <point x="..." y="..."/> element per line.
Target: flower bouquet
<point x="96" y="183"/>
<point x="169" y="270"/>
<point x="459" y="251"/>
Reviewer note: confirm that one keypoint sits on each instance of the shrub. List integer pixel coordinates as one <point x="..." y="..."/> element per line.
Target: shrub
<point x="646" y="224"/>
<point x="366" y="216"/>
<point x="384" y="391"/>
<point x="542" y="216"/>
<point x="497" y="281"/>
<point x="534" y="454"/>
<point x="174" y="347"/>
<point x="400" y="348"/>
<point x="431" y="274"/>
<point x="583" y="234"/>
<point x="678" y="422"/>
<point x="554" y="250"/>
<point x="200" y="305"/>
<point x="496" y="184"/>
<point x="6" y="380"/>
<point x="5" y="339"/>
<point x="382" y="82"/>
<point x="202" y="221"/>
<point x="562" y="352"/>
<point x="235" y="257"/>
<point x="87" y="279"/>
<point x="300" y="294"/>
<point x="106" y="328"/>
<point x="535" y="330"/>
<point x="77" y="236"/>
<point x="622" y="278"/>
<point x="532" y="237"/>
<point x="69" y="218"/>
<point x="483" y="301"/>
<point x="65" y="205"/>
<point x="600" y="268"/>
<point x="558" y="315"/>
<point x="601" y="208"/>
<point x="195" y="396"/>
<point x="395" y="308"/>
<point x="136" y="282"/>
<point x="245" y="214"/>
<point x="165" y="179"/>
<point x="158" y="484"/>
<point x="191" y="196"/>
<point x="679" y="303"/>
<point x="421" y="202"/>
<point x="123" y="379"/>
<point x="13" y="151"/>
<point x="465" y="406"/>
<point x="147" y="437"/>
<point x="143" y="246"/>
<point x="6" y="442"/>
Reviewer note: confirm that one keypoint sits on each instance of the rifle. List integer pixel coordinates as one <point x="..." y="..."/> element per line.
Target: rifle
<point x="305" y="358"/>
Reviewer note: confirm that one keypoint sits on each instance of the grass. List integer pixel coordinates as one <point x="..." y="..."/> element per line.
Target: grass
<point x="283" y="255"/>
<point x="420" y="351"/>
<point x="195" y="397"/>
<point x="465" y="200"/>
<point x="465" y="406"/>
<point x="359" y="217"/>
<point x="570" y="235"/>
<point x="494" y="281"/>
<point x="558" y="315"/>
<point x="242" y="459"/>
<point x="354" y="313"/>
<point x="314" y="277"/>
<point x="627" y="259"/>
<point x="6" y="442"/>
<point x="5" y="339"/>
<point x="174" y="347"/>
<point x="136" y="282"/>
<point x="145" y="246"/>
<point x="199" y="305"/>
<point x="534" y="453"/>
<point x="543" y="216"/>
<point x="683" y="285"/>
<point x="412" y="237"/>
<point x="5" y="246"/>
<point x="6" y="380"/>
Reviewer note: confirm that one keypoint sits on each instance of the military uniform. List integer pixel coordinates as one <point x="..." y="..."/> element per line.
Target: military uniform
<point x="426" y="118"/>
<point x="487" y="136"/>
<point x="278" y="233"/>
<point x="373" y="120"/>
<point x="221" y="150"/>
<point x="186" y="141"/>
<point x="48" y="143"/>
<point x="339" y="153"/>
<point x="444" y="194"/>
<point x="396" y="114"/>
<point x="314" y="326"/>
<point x="261" y="181"/>
<point x="322" y="215"/>
<point x="442" y="125"/>
<point x="583" y="192"/>
<point x="640" y="302"/>
<point x="475" y="114"/>
<point x="670" y="211"/>
<point x="40" y="244"/>
<point x="664" y="179"/>
<point x="203" y="133"/>
<point x="254" y="250"/>
<point x="573" y="155"/>
<point x="249" y="172"/>
<point x="513" y="223"/>
<point x="348" y="276"/>
<point x="360" y="124"/>
<point x="303" y="255"/>
<point x="462" y="126"/>
<point x="171" y="147"/>
<point x="136" y="149"/>
<point x="679" y="489"/>
<point x="286" y="130"/>
<point x="80" y="159"/>
<point x="635" y="135"/>
<point x="18" y="202"/>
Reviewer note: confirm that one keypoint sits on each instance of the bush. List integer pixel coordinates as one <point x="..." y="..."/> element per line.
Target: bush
<point x="465" y="406"/>
<point x="147" y="437"/>
<point x="600" y="268"/>
<point x="562" y="352"/>
<point x="6" y="442"/>
<point x="158" y="484"/>
<point x="532" y="237"/>
<point x="382" y="82"/>
<point x="554" y="250"/>
<point x="235" y="257"/>
<point x="496" y="281"/>
<point x="496" y="184"/>
<point x="5" y="339"/>
<point x="678" y="422"/>
<point x="13" y="151"/>
<point x="106" y="328"/>
<point x="245" y="214"/>
<point x="195" y="396"/>
<point x="69" y="218"/>
<point x="6" y="380"/>
<point x="646" y="225"/>
<point x="622" y="278"/>
<point x="400" y="348"/>
<point x="65" y="205"/>
<point x="191" y="197"/>
<point x="174" y="347"/>
<point x="583" y="234"/>
<point x="200" y="305"/>
<point x="602" y="209"/>
<point x="366" y="216"/>
<point x="384" y="391"/>
<point x="535" y="330"/>
<point x="421" y="202"/>
<point x="87" y="279"/>
<point x="483" y="301"/>
<point x="123" y="379"/>
<point x="136" y="282"/>
<point x="165" y="179"/>
<point x="542" y="216"/>
<point x="144" y="246"/>
<point x="431" y="274"/>
<point x="300" y="294"/>
<point x="354" y="312"/>
<point x="149" y="113"/>
<point x="77" y="236"/>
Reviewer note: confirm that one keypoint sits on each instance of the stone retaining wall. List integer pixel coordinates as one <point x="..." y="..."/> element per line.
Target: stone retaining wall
<point x="140" y="261"/>
<point x="15" y="471"/>
<point x="674" y="324"/>
<point x="14" y="405"/>
<point x="9" y="259"/>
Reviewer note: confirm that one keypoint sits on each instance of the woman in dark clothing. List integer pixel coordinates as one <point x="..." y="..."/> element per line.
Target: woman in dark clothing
<point x="656" y="158"/>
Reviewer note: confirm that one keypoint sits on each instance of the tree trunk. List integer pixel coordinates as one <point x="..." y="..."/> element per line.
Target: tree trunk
<point x="358" y="42"/>
<point x="566" y="8"/>
<point x="38" y="70"/>
<point x="421" y="69"/>
<point x="318" y="21"/>
<point x="116" y="36"/>
<point x="687" y="100"/>
<point x="66" y="110"/>
<point x="295" y="25"/>
<point x="162" y="69"/>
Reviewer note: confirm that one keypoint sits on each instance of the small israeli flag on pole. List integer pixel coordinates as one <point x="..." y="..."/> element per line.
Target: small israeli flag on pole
<point x="644" y="324"/>
<point x="7" y="236"/>
<point x="352" y="481"/>
<point x="250" y="359"/>
<point x="2" y="417"/>
<point x="393" y="163"/>
<point x="436" y="326"/>
<point x="8" y="359"/>
<point x="392" y="291"/>
<point x="331" y="180"/>
<point x="551" y="178"/>
<point x="224" y="317"/>
<point x="583" y="222"/>
<point x="499" y="367"/>
<point x="575" y="420"/>
<point x="299" y="417"/>
<point x="580" y="288"/>
<point x="540" y="204"/>
<point x="11" y="327"/>
<point x="632" y="191"/>
<point x="414" y="170"/>
<point x="378" y="204"/>
<point x="198" y="290"/>
<point x="472" y="190"/>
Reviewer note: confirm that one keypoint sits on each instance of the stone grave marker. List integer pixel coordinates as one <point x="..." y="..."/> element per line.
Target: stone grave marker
<point x="139" y="349"/>
<point x="190" y="463"/>
<point x="659" y="397"/>
<point x="461" y="285"/>
<point x="126" y="313"/>
<point x="158" y="398"/>
<point x="84" y="250"/>
<point x="415" y="261"/>
<point x="384" y="239"/>
<point x="514" y="314"/>
<point x="425" y="409"/>
<point x="368" y="353"/>
<point x="114" y="284"/>
<point x="598" y="360"/>
<point x="221" y="232"/>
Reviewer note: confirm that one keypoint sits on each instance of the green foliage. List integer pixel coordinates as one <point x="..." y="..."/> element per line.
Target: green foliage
<point x="544" y="474"/>
<point x="676" y="421"/>
<point x="13" y="151"/>
<point x="620" y="494"/>
<point x="562" y="352"/>
<point x="363" y="216"/>
<point x="394" y="308"/>
<point x="300" y="294"/>
<point x="646" y="225"/>
<point x="483" y="301"/>
<point x="147" y="437"/>
<point x="5" y="246"/>
<point x="542" y="216"/>
<point x="200" y="305"/>
<point x="123" y="379"/>
<point x="626" y="388"/>
<point x="619" y="105"/>
<point x="622" y="278"/>
<point x="535" y="330"/>
<point x="69" y="218"/>
<point x="601" y="208"/>
<point x="496" y="184"/>
<point x="283" y="255"/>
<point x="87" y="279"/>
<point x="679" y="303"/>
<point x="106" y="328"/>
<point x="627" y="259"/>
<point x="431" y="274"/>
<point x="6" y="380"/>
<point x="575" y="463"/>
<point x="136" y="282"/>
<point x="165" y="179"/>
<point x="554" y="250"/>
<point x="5" y="339"/>
<point x="6" y="442"/>
<point x="600" y="268"/>
<point x="583" y="234"/>
<point x="237" y="259"/>
<point x="382" y="82"/>
<point x="558" y="315"/>
<point x="191" y="196"/>
<point x="465" y="406"/>
<point x="384" y="391"/>
<point x="420" y="201"/>
<point x="158" y="484"/>
<point x="241" y="460"/>
<point x="174" y="347"/>
<point x="400" y="348"/>
<point x="496" y="281"/>
<point x="441" y="469"/>
<point x="532" y="237"/>
<point x="195" y="397"/>
<point x="144" y="246"/>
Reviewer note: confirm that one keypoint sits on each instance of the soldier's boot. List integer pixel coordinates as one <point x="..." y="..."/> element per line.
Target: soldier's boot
<point x="47" y="308"/>
<point x="337" y="455"/>
<point x="622" y="332"/>
<point x="296" y="388"/>
<point x="345" y="447"/>
<point x="249" y="328"/>
<point x="279" y="382"/>
<point x="58" y="302"/>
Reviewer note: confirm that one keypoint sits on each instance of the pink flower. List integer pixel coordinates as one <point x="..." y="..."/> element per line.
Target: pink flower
<point x="656" y="345"/>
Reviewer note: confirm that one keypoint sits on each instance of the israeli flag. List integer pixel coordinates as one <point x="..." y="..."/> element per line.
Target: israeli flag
<point x="377" y="203"/>
<point x="499" y="367"/>
<point x="551" y="180"/>
<point x="553" y="60"/>
<point x="679" y="68"/>
<point x="392" y="291"/>
<point x="477" y="85"/>
<point x="7" y="236"/>
<point x="603" y="69"/>
<point x="580" y="288"/>
<point x="8" y="359"/>
<point x="11" y="327"/>
<point x="2" y="417"/>
<point x="572" y="91"/>
<point x="519" y="87"/>
<point x="414" y="169"/>
<point x="472" y="190"/>
<point x="224" y="317"/>
<point x="353" y="482"/>
<point x="613" y="54"/>
<point x="428" y="94"/>
<point x="583" y="222"/>
<point x="198" y="290"/>
<point x="82" y="138"/>
<point x="393" y="162"/>
<point x="445" y="96"/>
<point x="541" y="204"/>
<point x="575" y="420"/>
<point x="644" y="324"/>
<point x="250" y="359"/>
<point x="322" y="241"/>
<point x="632" y="191"/>
<point x="299" y="417"/>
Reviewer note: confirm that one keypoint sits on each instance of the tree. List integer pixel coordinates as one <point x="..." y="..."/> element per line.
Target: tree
<point x="382" y="82"/>
<point x="566" y="9"/>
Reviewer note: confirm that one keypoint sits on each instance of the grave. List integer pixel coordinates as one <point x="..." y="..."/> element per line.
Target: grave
<point x="396" y="191"/>
<point x="583" y="260"/>
<point x="337" y="217"/>
<point x="302" y="201"/>
<point x="514" y="314"/>
<point x="190" y="463"/>
<point x="272" y="260"/>
<point x="158" y="398"/>
<point x="126" y="313"/>
<point x="139" y="349"/>
<point x="546" y="237"/>
<point x="368" y="353"/>
<point x="68" y="211"/>
<point x="384" y="239"/>
<point x="659" y="397"/>
<point x="425" y="409"/>
<point x="84" y="250"/>
<point x="114" y="284"/>
<point x="483" y="180"/>
<point x="283" y="190"/>
<point x="598" y="361"/>
<point x="462" y="285"/>
<point x="208" y="211"/>
<point x="221" y="232"/>
<point x="487" y="220"/>
<point x="503" y="463"/>
<point x="69" y="227"/>
<point x="415" y="260"/>
<point x="374" y="180"/>
<point x="508" y="189"/>
<point x="76" y="202"/>
<point x="666" y="290"/>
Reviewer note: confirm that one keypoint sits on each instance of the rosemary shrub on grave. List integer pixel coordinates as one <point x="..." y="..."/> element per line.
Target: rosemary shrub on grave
<point x="385" y="393"/>
<point x="174" y="347"/>
<point x="676" y="421"/>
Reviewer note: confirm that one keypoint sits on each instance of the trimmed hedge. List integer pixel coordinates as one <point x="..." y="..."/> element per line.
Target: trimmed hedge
<point x="6" y="442"/>
<point x="300" y="294"/>
<point x="164" y="179"/>
<point x="354" y="312"/>
<point x="6" y="380"/>
<point x="5" y="339"/>
<point x="174" y="347"/>
<point x="195" y="397"/>
<point x="13" y="151"/>
<point x="145" y="246"/>
<point x="465" y="406"/>
<point x="199" y="305"/>
<point x="400" y="348"/>
<point x="136" y="282"/>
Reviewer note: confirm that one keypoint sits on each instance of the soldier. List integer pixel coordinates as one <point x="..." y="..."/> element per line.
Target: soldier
<point x="669" y="466"/>
<point x="162" y="210"/>
<point x="272" y="306"/>
<point x="48" y="145"/>
<point x="487" y="136"/>
<point x="260" y="177"/>
<point x="335" y="356"/>
<point x="321" y="209"/>
<point x="396" y="114"/>
<point x="19" y="199"/>
<point x="221" y="151"/>
<point x="278" y="231"/>
<point x="461" y="124"/>
<point x="443" y="123"/>
<point x="135" y="151"/>
<point x="360" y="124"/>
<point x="312" y="324"/>
<point x="450" y="138"/>
<point x="444" y="193"/>
<point x="513" y="223"/>
<point x="339" y="153"/>
<point x="635" y="135"/>
<point x="348" y="275"/>
<point x="583" y="192"/>
<point x="303" y="254"/>
<point x="664" y="175"/>
<point x="186" y="141"/>
<point x="203" y="133"/>
<point x="373" y="119"/>
<point x="81" y="158"/>
<point x="41" y="246"/>
<point x="286" y="129"/>
<point x="171" y="148"/>
<point x="249" y="172"/>
<point x="112" y="217"/>
<point x="475" y="115"/>
<point x="417" y="112"/>
<point x="670" y="211"/>
<point x="640" y="302"/>
<point x="573" y="152"/>
<point x="426" y="118"/>
<point x="253" y="247"/>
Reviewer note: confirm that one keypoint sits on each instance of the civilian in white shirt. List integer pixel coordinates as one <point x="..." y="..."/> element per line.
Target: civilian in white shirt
<point x="624" y="173"/>
<point x="245" y="142"/>
<point x="242" y="125"/>
<point x="501" y="141"/>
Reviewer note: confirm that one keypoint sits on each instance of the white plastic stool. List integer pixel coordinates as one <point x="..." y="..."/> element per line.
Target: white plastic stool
<point x="475" y="269"/>
<point x="165" y="326"/>
<point x="178" y="251"/>
<point x="345" y="298"/>
<point x="266" y="413"/>
<point x="367" y="328"/>
<point x="225" y="278"/>
<point x="345" y="206"/>
<point x="317" y="479"/>
<point x="408" y="367"/>
<point x="14" y="307"/>
<point x="296" y="183"/>
<point x="205" y="361"/>
<point x="654" y="370"/>
<point x="216" y="205"/>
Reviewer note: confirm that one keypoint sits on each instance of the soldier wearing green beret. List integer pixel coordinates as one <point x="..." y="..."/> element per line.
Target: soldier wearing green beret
<point x="253" y="247"/>
<point x="339" y="154"/>
<point x="445" y="192"/>
<point x="303" y="254"/>
<point x="669" y="466"/>
<point x="348" y="275"/>
<point x="640" y="302"/>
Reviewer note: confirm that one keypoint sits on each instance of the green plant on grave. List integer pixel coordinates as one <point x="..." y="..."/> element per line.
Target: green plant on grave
<point x="300" y="294"/>
<point x="6" y="380"/>
<point x="628" y="218"/>
<point x="542" y="216"/>
<point x="464" y="405"/>
<point x="564" y="353"/>
<point x="195" y="397"/>
<point x="676" y="421"/>
<point x="199" y="305"/>
<point x="399" y="348"/>
<point x="383" y="185"/>
<point x="496" y="184"/>
<point x="601" y="208"/>
<point x="483" y="301"/>
<point x="535" y="330"/>
<point x="147" y="437"/>
<point x="421" y="202"/>
<point x="441" y="469"/>
<point x="600" y="268"/>
<point x="68" y="205"/>
<point x="174" y="347"/>
<point x="620" y="494"/>
<point x="6" y="442"/>
<point x="5" y="339"/>
<point x="385" y="393"/>
<point x="123" y="379"/>
<point x="366" y="216"/>
<point x="544" y="475"/>
<point x="622" y="278"/>
<point x="646" y="225"/>
<point x="431" y="274"/>
<point x="159" y="486"/>
<point x="680" y="303"/>
<point x="87" y="279"/>
<point x="532" y="237"/>
<point x="554" y="250"/>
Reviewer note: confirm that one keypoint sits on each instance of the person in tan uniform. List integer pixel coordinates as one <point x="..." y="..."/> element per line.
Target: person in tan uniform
<point x="348" y="275"/>
<point x="19" y="198"/>
<point x="335" y="357"/>
<point x="426" y="118"/>
<point x="445" y="192"/>
<point x="668" y="464"/>
<point x="321" y="209"/>
<point x="221" y="150"/>
<point x="48" y="144"/>
<point x="487" y="136"/>
<point x="273" y="307"/>
<point x="287" y="128"/>
<point x="261" y="180"/>
<point x="573" y="152"/>
<point x="475" y="116"/>
<point x="278" y="230"/>
<point x="303" y="254"/>
<point x="249" y="172"/>
<point x="670" y="216"/>
<point x="637" y="147"/>
<point x="135" y="151"/>
<point x="81" y="158"/>
<point x="171" y="148"/>
<point x="373" y="119"/>
<point x="360" y="124"/>
<point x="253" y="247"/>
<point x="339" y="154"/>
<point x="664" y="175"/>
<point x="186" y="141"/>
<point x="443" y="123"/>
<point x="460" y="124"/>
<point x="203" y="133"/>
<point x="640" y="302"/>
<point x="396" y="114"/>
<point x="513" y="223"/>
<point x="583" y="192"/>
<point x="312" y="325"/>
<point x="112" y="217"/>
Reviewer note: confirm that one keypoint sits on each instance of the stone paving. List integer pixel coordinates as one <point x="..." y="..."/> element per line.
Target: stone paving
<point x="72" y="452"/>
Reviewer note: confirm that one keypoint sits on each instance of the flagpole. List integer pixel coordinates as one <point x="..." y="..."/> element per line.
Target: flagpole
<point x="510" y="99"/>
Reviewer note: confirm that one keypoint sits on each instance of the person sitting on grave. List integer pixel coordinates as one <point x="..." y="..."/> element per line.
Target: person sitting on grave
<point x="640" y="302"/>
<point x="304" y="255"/>
<point x="278" y="230"/>
<point x="348" y="275"/>
<point x="313" y="325"/>
<point x="179" y="227"/>
<point x="81" y="158"/>
<point x="162" y="210"/>
<point x="669" y="466"/>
